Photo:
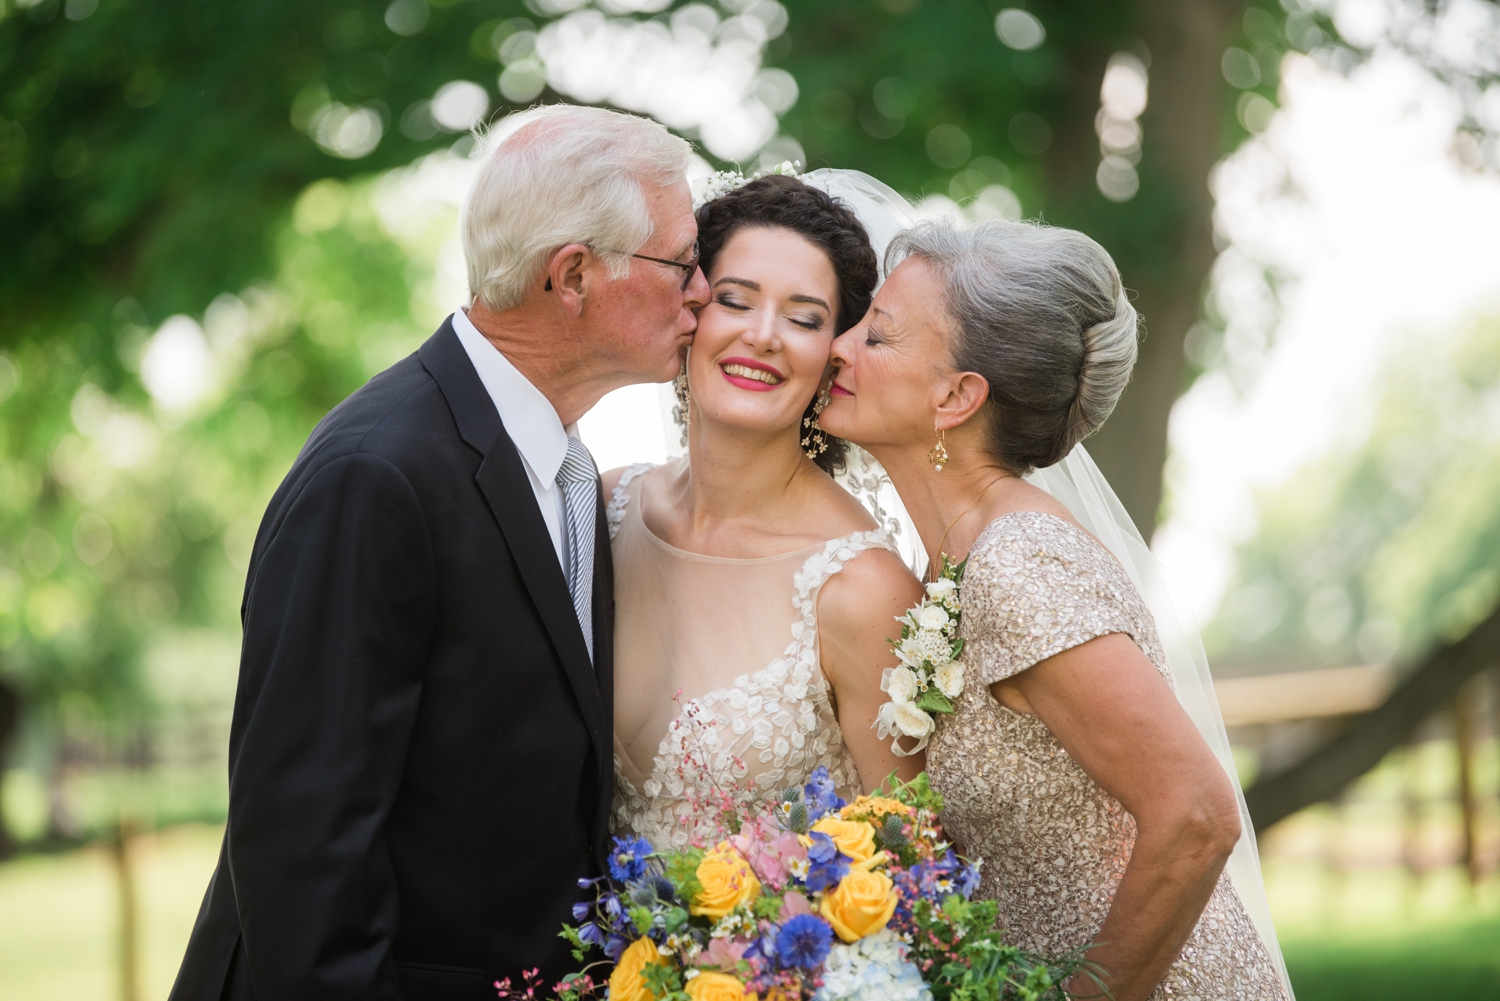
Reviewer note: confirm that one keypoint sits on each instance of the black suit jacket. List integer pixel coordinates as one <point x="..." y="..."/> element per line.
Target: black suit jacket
<point x="420" y="763"/>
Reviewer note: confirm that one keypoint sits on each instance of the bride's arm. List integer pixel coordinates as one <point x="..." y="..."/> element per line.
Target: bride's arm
<point x="1113" y="713"/>
<point x="857" y="611"/>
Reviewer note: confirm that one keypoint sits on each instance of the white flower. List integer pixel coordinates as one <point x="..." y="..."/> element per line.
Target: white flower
<point x="934" y="646"/>
<point x="909" y="652"/>
<point x="932" y="617"/>
<point x="900" y="684"/>
<point x="910" y="720"/>
<point x="950" y="678"/>
<point x="940" y="589"/>
<point x="873" y="969"/>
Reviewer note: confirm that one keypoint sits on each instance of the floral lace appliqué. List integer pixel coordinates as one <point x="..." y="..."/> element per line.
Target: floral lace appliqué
<point x="769" y="730"/>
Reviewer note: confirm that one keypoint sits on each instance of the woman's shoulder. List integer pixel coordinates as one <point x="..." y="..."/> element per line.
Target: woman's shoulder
<point x="1018" y="541"/>
<point x="621" y="477"/>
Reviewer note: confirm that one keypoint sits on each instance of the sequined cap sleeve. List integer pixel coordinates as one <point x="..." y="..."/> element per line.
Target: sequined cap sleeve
<point x="1037" y="585"/>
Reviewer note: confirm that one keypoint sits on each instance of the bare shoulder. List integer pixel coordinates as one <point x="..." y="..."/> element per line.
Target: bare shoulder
<point x="871" y="591"/>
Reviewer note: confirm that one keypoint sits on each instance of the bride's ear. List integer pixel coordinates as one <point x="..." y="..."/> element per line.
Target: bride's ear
<point x="967" y="392"/>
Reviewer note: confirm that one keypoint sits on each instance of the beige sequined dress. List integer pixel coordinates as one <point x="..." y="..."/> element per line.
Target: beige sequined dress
<point x="1054" y="844"/>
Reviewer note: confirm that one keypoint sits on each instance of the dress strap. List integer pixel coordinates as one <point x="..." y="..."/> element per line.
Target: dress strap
<point x="619" y="500"/>
<point x="814" y="574"/>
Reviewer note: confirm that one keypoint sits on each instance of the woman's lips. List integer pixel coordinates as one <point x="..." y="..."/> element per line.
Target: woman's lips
<point x="836" y="390"/>
<point x="751" y="375"/>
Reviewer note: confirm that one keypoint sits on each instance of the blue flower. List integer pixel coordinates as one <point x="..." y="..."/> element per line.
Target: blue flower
<point x="581" y="910"/>
<point x="628" y="860"/>
<point x="826" y="864"/>
<point x="804" y="941"/>
<point x="822" y="849"/>
<point x="820" y="796"/>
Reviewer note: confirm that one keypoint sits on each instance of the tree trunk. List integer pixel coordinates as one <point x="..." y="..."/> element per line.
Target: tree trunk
<point x="1432" y="687"/>
<point x="1183" y="126"/>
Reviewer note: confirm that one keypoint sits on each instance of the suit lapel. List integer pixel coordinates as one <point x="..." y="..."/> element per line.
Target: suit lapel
<point x="503" y="481"/>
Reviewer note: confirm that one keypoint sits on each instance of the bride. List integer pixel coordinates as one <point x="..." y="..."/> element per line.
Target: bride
<point x="754" y="595"/>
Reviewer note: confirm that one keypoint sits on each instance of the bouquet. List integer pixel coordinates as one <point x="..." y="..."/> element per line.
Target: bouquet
<point x="813" y="899"/>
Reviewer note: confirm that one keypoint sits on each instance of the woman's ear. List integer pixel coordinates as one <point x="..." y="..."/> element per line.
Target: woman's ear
<point x="967" y="392"/>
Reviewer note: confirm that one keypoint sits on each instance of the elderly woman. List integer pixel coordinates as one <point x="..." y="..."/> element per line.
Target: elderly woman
<point x="1069" y="767"/>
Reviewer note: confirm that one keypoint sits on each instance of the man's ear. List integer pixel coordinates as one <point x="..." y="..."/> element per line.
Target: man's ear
<point x="967" y="392"/>
<point x="569" y="272"/>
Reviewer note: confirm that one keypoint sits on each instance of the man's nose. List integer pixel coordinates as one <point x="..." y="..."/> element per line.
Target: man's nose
<point x="697" y="293"/>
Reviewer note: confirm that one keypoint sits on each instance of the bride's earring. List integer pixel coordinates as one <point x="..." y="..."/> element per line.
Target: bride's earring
<point x="939" y="454"/>
<point x="684" y="401"/>
<point x="815" y="442"/>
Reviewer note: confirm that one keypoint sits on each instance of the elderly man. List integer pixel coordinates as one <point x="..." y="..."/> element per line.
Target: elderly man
<point x="421" y="758"/>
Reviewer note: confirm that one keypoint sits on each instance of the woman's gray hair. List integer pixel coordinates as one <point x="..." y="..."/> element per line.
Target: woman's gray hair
<point x="562" y="174"/>
<point x="1041" y="315"/>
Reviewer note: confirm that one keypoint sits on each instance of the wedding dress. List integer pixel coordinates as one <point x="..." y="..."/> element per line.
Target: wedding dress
<point x="720" y="698"/>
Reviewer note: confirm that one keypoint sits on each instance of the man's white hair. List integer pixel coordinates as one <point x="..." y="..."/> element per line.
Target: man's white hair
<point x="562" y="174"/>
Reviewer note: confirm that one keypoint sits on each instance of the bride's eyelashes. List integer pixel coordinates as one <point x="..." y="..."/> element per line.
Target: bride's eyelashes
<point x="729" y="301"/>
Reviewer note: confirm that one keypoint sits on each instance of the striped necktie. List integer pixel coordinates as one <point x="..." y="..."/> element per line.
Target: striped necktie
<point x="579" y="482"/>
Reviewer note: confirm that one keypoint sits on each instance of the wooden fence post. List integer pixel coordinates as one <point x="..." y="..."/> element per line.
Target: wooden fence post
<point x="130" y="980"/>
<point x="1464" y="718"/>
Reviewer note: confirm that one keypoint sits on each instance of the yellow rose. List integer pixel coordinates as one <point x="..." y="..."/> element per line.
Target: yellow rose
<point x="626" y="982"/>
<point x="708" y="986"/>
<point x="727" y="882"/>
<point x="855" y="838"/>
<point x="861" y="905"/>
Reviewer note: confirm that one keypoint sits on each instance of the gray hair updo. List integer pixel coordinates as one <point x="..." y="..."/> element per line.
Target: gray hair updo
<point x="1041" y="315"/>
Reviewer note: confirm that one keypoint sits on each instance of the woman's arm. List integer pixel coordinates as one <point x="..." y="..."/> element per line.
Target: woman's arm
<point x="857" y="612"/>
<point x="1112" y="711"/>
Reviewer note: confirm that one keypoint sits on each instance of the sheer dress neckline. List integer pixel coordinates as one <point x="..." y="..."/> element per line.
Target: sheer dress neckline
<point x="737" y="641"/>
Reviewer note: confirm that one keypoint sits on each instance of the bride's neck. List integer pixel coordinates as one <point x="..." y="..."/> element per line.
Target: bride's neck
<point x="735" y="474"/>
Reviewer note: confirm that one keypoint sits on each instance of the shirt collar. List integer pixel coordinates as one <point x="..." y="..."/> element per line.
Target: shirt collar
<point x="528" y="416"/>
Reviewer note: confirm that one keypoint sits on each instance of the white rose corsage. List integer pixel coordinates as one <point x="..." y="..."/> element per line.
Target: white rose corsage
<point x="930" y="675"/>
<point x="722" y="182"/>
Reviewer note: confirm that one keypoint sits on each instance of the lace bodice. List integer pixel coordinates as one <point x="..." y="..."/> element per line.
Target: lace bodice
<point x="719" y="690"/>
<point x="1054" y="844"/>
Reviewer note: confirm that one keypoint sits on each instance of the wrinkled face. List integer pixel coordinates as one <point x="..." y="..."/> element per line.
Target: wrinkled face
<point x="761" y="350"/>
<point x="892" y="369"/>
<point x="644" y="321"/>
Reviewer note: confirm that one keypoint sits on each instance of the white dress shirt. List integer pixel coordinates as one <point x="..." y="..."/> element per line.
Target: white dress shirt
<point x="532" y="423"/>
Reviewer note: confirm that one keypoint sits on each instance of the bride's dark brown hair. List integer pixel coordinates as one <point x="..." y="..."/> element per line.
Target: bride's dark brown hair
<point x="777" y="201"/>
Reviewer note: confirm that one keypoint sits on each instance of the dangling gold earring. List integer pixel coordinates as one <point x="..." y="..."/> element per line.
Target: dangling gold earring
<point x="939" y="454"/>
<point x="684" y="411"/>
<point x="815" y="442"/>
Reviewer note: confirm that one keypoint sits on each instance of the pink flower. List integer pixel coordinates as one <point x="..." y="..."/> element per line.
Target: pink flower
<point x="769" y="850"/>
<point x="794" y="904"/>
<point x="722" y="953"/>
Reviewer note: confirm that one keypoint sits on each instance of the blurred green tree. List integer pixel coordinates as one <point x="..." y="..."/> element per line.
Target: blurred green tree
<point x="1387" y="550"/>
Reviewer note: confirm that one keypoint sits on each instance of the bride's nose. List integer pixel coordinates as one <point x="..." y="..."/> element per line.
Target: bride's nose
<point x="762" y="333"/>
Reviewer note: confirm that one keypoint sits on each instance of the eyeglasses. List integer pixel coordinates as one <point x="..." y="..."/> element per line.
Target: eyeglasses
<point x="689" y="269"/>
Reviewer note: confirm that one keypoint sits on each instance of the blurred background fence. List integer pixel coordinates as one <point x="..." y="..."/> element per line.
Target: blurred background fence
<point x="221" y="219"/>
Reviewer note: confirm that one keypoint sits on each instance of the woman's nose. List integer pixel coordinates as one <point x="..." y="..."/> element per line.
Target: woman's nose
<point x="761" y="332"/>
<point x="843" y="345"/>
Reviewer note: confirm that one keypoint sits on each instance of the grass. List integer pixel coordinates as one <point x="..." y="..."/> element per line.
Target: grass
<point x="59" y="916"/>
<point x="1354" y="939"/>
<point x="1458" y="961"/>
